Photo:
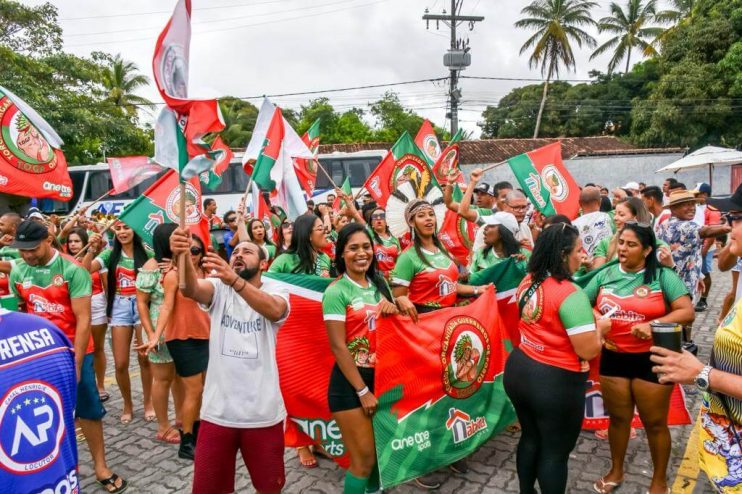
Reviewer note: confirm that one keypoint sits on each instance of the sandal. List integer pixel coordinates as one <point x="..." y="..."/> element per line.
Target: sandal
<point x="603" y="486"/>
<point x="103" y="396"/>
<point x="320" y="451"/>
<point x="150" y="416"/>
<point x="111" y="482"/>
<point x="126" y="418"/>
<point x="602" y="434"/>
<point x="306" y="461"/>
<point x="515" y="427"/>
<point x="167" y="436"/>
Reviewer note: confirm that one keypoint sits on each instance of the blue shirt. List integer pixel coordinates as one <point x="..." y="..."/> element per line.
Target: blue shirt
<point x="227" y="238"/>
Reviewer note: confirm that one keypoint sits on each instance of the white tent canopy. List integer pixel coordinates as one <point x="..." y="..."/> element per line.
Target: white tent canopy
<point x="706" y="156"/>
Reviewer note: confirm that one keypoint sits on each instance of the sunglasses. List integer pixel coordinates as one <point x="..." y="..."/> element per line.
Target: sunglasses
<point x="733" y="218"/>
<point x="565" y="225"/>
<point x="195" y="251"/>
<point x="637" y="223"/>
<point x="378" y="216"/>
<point x="286" y="226"/>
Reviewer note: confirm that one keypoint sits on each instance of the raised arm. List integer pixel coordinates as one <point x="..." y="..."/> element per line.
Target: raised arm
<point x="465" y="206"/>
<point x="199" y="290"/>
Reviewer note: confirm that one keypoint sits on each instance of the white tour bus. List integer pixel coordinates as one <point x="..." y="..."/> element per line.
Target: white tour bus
<point x="89" y="182"/>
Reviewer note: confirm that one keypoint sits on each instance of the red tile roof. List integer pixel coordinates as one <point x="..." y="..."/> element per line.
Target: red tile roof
<point x="496" y="150"/>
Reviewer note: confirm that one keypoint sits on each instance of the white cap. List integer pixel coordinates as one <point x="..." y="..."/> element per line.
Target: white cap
<point x="631" y="186"/>
<point x="499" y="218"/>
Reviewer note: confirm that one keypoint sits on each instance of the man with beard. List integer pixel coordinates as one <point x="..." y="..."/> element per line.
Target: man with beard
<point x="242" y="407"/>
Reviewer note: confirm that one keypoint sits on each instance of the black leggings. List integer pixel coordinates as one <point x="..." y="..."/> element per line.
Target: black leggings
<point x="550" y="403"/>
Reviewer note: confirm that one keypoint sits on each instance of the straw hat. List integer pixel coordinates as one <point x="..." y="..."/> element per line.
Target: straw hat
<point x="679" y="197"/>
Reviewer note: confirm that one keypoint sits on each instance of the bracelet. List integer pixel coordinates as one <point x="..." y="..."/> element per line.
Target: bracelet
<point x="244" y="283"/>
<point x="231" y="285"/>
<point x="362" y="392"/>
<point x="476" y="290"/>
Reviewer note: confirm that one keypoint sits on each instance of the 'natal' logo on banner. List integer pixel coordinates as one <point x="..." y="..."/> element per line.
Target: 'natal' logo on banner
<point x="174" y="71"/>
<point x="465" y="356"/>
<point x="21" y="143"/>
<point x="447" y="162"/>
<point x="410" y="168"/>
<point x="461" y="425"/>
<point x="533" y="182"/>
<point x="555" y="182"/>
<point x="172" y="205"/>
<point x="431" y="147"/>
<point x="31" y="427"/>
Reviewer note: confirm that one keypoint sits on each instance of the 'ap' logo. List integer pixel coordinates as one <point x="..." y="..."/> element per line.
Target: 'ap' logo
<point x="31" y="427"/>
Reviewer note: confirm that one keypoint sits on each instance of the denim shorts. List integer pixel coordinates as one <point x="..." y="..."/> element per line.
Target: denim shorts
<point x="708" y="263"/>
<point x="88" y="400"/>
<point x="124" y="311"/>
<point x="98" y="309"/>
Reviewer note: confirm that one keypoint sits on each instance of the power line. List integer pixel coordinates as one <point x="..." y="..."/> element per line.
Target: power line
<point x="131" y="14"/>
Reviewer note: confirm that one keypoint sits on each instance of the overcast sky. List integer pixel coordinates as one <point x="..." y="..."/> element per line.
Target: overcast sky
<point x="254" y="47"/>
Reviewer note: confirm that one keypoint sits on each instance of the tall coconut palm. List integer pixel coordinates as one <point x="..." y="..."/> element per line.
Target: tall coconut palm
<point x="120" y="80"/>
<point x="679" y="11"/>
<point x="631" y="28"/>
<point x="557" y="24"/>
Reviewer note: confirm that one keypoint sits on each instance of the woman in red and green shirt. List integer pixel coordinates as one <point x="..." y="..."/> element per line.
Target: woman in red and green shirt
<point x="636" y="291"/>
<point x="425" y="277"/>
<point x="350" y="307"/>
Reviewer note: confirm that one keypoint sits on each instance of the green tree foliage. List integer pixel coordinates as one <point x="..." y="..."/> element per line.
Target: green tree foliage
<point x="393" y="119"/>
<point x="29" y="30"/>
<point x="239" y="119"/>
<point x="557" y="24"/>
<point x="121" y="79"/>
<point x="630" y="29"/>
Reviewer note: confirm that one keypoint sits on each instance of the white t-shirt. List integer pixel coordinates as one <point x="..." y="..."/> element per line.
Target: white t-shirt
<point x="241" y="388"/>
<point x="593" y="228"/>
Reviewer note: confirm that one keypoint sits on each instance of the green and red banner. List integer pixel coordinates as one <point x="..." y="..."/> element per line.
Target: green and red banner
<point x="306" y="168"/>
<point x="457" y="233"/>
<point x="440" y="390"/>
<point x="339" y="203"/>
<point x="544" y="178"/>
<point x="428" y="143"/>
<point x="213" y="178"/>
<point x="31" y="162"/>
<point x="403" y="163"/>
<point x="449" y="160"/>
<point x="161" y="204"/>
<point x="130" y="171"/>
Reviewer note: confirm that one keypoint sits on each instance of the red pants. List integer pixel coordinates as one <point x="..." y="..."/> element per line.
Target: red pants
<point x="216" y="450"/>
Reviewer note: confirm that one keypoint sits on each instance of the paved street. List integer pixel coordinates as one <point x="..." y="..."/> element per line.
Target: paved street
<point x="153" y="467"/>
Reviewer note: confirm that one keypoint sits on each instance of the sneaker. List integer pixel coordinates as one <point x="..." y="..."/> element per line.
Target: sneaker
<point x="427" y="482"/>
<point x="187" y="448"/>
<point x="701" y="306"/>
<point x="459" y="466"/>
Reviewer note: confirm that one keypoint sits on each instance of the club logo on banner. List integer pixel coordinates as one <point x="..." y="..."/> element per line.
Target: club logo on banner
<point x="431" y="147"/>
<point x="21" y="143"/>
<point x="413" y="169"/>
<point x="448" y="162"/>
<point x="193" y="215"/>
<point x="174" y="71"/>
<point x="558" y="188"/>
<point x="31" y="427"/>
<point x="465" y="356"/>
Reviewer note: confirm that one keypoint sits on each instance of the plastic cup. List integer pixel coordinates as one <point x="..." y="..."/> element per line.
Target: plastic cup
<point x="667" y="335"/>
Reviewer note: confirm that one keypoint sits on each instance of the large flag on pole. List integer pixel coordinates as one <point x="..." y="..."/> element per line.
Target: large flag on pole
<point x="212" y="178"/>
<point x="306" y="169"/>
<point x="546" y="181"/>
<point x="449" y="160"/>
<point x="457" y="233"/>
<point x="405" y="162"/>
<point x="31" y="161"/>
<point x="171" y="60"/>
<point x="428" y="142"/>
<point x="130" y="171"/>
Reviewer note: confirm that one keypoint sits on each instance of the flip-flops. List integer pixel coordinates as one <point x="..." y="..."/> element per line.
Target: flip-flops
<point x="104" y="396"/>
<point x="126" y="419"/>
<point x="150" y="416"/>
<point x="111" y="482"/>
<point x="167" y="436"/>
<point x="310" y="462"/>
<point x="602" y="486"/>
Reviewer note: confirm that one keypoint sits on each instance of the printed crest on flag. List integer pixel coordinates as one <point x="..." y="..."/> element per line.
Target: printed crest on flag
<point x="172" y="205"/>
<point x="465" y="355"/>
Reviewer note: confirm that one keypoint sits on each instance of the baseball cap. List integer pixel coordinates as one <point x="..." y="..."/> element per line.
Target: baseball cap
<point x="34" y="214"/>
<point x="703" y="188"/>
<point x="729" y="203"/>
<point x="502" y="218"/>
<point x="631" y="186"/>
<point x="29" y="234"/>
<point x="485" y="188"/>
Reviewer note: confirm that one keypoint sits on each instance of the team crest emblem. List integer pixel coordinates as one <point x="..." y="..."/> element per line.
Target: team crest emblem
<point x="448" y="162"/>
<point x="58" y="280"/>
<point x="174" y="71"/>
<point x="465" y="356"/>
<point x="21" y="143"/>
<point x="410" y="168"/>
<point x="534" y="308"/>
<point x="554" y="181"/>
<point x="31" y="427"/>
<point x="641" y="291"/>
<point x="431" y="147"/>
<point x="172" y="205"/>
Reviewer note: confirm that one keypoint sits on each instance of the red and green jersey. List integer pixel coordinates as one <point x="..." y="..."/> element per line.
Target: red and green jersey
<point x="386" y="252"/>
<point x="289" y="263"/>
<point x="48" y="291"/>
<point x="347" y="301"/>
<point x="637" y="302"/>
<point x="126" y="275"/>
<point x="555" y="311"/>
<point x="430" y="285"/>
<point x="482" y="261"/>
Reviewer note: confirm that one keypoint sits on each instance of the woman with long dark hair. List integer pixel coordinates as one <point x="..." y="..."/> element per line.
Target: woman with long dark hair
<point x="498" y="237"/>
<point x="304" y="255"/>
<point x="77" y="239"/>
<point x="360" y="290"/>
<point x="258" y="234"/>
<point x="123" y="262"/>
<point x="150" y="296"/>
<point x="545" y="376"/>
<point x="644" y="292"/>
<point x="283" y="237"/>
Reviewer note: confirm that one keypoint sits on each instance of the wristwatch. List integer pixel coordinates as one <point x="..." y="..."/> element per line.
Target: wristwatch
<point x="702" y="379"/>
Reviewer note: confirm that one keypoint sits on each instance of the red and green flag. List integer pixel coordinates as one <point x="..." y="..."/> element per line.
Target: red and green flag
<point x="130" y="171"/>
<point x="456" y="232"/>
<point x="449" y="160"/>
<point x="31" y="161"/>
<point x="212" y="178"/>
<point x="428" y="142"/>
<point x="546" y="181"/>
<point x="347" y="190"/>
<point x="306" y="169"/>
<point x="161" y="204"/>
<point x="440" y="389"/>
<point x="405" y="162"/>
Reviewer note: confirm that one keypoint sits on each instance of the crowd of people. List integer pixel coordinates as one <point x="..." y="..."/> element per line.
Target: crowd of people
<point x="203" y="321"/>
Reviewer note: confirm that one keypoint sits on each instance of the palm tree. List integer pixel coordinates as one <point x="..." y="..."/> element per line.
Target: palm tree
<point x="557" y="23"/>
<point x="631" y="30"/>
<point x="120" y="80"/>
<point x="681" y="10"/>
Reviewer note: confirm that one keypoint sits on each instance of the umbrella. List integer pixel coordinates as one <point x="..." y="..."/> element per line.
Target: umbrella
<point x="706" y="156"/>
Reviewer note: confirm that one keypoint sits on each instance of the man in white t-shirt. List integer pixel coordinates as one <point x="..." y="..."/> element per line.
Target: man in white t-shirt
<point x="242" y="407"/>
<point x="594" y="225"/>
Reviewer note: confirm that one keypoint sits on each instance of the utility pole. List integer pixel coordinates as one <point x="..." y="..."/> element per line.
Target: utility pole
<point x="458" y="57"/>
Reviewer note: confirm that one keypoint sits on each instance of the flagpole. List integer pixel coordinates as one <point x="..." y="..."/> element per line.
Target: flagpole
<point x="334" y="185"/>
<point x="87" y="246"/>
<point x="493" y="165"/>
<point x="95" y="202"/>
<point x="183" y="257"/>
